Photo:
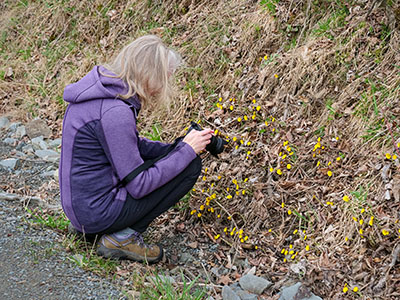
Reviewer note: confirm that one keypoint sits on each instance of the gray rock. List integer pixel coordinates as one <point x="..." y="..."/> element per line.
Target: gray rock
<point x="254" y="284"/>
<point x="47" y="174"/>
<point x="48" y="155"/>
<point x="298" y="292"/>
<point x="20" y="154"/>
<point x="244" y="295"/>
<point x="9" y="141"/>
<point x="4" y="122"/>
<point x="10" y="163"/>
<point x="37" y="128"/>
<point x="54" y="143"/>
<point x="38" y="143"/>
<point x="186" y="258"/>
<point x="9" y="197"/>
<point x="387" y="195"/>
<point x="229" y="294"/>
<point x="20" y="132"/>
<point x="13" y="127"/>
<point x="28" y="149"/>
<point x="163" y="278"/>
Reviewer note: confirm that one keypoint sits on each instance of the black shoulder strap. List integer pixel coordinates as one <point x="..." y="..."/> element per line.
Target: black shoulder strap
<point x="147" y="164"/>
<point x="128" y="178"/>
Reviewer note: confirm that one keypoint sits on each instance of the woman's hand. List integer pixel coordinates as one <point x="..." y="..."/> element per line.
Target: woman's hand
<point x="198" y="140"/>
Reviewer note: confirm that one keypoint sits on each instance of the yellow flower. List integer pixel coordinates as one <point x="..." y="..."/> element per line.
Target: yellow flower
<point x="265" y="57"/>
<point x="246" y="238"/>
<point x="258" y="108"/>
<point x="346" y="198"/>
<point x="385" y="232"/>
<point x="239" y="119"/>
<point x="394" y="156"/>
<point x="217" y="236"/>
<point x="231" y="107"/>
<point x="248" y="143"/>
<point x="276" y="75"/>
<point x="201" y="207"/>
<point x="361" y="221"/>
<point x="245" y="118"/>
<point x="329" y="173"/>
<point x="307" y="248"/>
<point x="229" y="218"/>
<point x="234" y="139"/>
<point x="388" y="156"/>
<point x="361" y="231"/>
<point x="199" y="215"/>
<point x="225" y="229"/>
<point x="266" y="123"/>
<point x="289" y="166"/>
<point x="345" y="289"/>
<point x="295" y="231"/>
<point x="398" y="145"/>
<point x="192" y="212"/>
<point x="289" y="212"/>
<point x="283" y="251"/>
<point x="338" y="158"/>
<point x="279" y="172"/>
<point x="283" y="205"/>
<point x="355" y="219"/>
<point x="371" y="221"/>
<point x="329" y="163"/>
<point x="318" y="163"/>
<point x="355" y="289"/>
<point x="346" y="238"/>
<point x="243" y="192"/>
<point x="254" y="100"/>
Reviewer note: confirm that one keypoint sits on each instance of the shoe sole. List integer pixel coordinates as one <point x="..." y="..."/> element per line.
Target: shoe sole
<point x="122" y="254"/>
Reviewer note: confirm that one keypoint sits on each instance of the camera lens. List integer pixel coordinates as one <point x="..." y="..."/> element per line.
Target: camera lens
<point x="216" y="145"/>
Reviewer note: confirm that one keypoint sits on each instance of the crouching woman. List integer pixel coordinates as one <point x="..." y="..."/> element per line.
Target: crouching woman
<point x="113" y="182"/>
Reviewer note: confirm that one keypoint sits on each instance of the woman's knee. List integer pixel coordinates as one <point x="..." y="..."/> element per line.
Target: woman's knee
<point x="195" y="167"/>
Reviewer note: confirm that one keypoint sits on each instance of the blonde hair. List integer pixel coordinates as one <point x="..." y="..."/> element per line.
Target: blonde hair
<point x="146" y="65"/>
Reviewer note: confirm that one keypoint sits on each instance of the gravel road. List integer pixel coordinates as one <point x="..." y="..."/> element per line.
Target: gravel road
<point x="33" y="264"/>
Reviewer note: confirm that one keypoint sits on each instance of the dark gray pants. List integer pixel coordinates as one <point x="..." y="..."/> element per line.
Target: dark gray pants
<point x="139" y="213"/>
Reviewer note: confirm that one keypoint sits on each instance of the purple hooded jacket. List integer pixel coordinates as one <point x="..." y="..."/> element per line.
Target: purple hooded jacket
<point x="100" y="146"/>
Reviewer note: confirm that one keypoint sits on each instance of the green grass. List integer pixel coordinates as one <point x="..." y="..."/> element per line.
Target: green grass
<point x="53" y="221"/>
<point x="269" y="5"/>
<point x="164" y="289"/>
<point x="155" y="135"/>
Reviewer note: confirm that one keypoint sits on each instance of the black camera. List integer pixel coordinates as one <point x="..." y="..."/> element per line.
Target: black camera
<point x="216" y="145"/>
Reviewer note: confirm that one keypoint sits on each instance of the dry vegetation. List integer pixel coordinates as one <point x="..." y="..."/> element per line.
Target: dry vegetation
<point x="307" y="92"/>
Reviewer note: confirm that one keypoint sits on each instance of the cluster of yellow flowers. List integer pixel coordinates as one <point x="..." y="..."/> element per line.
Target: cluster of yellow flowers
<point x="391" y="156"/>
<point x="361" y="216"/>
<point x="346" y="288"/>
<point x="284" y="159"/>
<point x="254" y="110"/>
<point x="318" y="150"/>
<point x="228" y="192"/>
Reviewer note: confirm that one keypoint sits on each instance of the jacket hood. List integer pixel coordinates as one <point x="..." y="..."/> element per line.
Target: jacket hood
<point x="95" y="86"/>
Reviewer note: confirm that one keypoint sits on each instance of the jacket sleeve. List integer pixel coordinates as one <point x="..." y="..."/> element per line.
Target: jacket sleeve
<point x="120" y="134"/>
<point x="151" y="149"/>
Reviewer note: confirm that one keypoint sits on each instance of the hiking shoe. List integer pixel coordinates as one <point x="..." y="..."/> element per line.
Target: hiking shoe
<point x="132" y="248"/>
